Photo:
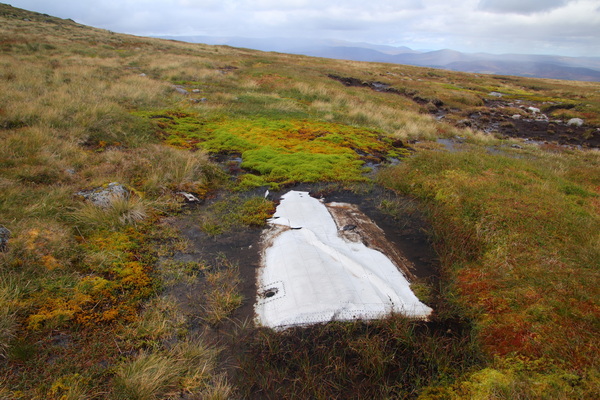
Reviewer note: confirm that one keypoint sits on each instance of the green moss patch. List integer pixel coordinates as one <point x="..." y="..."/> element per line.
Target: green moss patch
<point x="281" y="151"/>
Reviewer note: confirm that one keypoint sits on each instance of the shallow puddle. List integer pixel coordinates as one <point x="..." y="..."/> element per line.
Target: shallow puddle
<point x="329" y="262"/>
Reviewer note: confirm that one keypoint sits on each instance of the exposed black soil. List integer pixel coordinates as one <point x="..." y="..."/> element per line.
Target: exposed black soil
<point x="240" y="248"/>
<point x="498" y="117"/>
<point x="386" y="88"/>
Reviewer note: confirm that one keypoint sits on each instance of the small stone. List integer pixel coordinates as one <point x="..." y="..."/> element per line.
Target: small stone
<point x="495" y="94"/>
<point x="180" y="90"/>
<point x="142" y="75"/>
<point x="575" y="122"/>
<point x="4" y="236"/>
<point x="534" y="110"/>
<point x="516" y="146"/>
<point x="516" y="116"/>
<point x="196" y="91"/>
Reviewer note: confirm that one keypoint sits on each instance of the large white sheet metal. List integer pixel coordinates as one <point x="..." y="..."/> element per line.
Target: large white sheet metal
<point x="312" y="272"/>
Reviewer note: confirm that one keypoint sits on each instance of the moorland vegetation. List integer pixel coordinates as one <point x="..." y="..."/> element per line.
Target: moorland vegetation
<point x="90" y="295"/>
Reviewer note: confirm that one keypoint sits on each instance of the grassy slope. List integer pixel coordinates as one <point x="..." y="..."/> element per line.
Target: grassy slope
<point x="517" y="231"/>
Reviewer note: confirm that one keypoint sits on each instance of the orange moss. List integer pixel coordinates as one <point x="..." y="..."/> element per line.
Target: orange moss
<point x="50" y="262"/>
<point x="107" y="292"/>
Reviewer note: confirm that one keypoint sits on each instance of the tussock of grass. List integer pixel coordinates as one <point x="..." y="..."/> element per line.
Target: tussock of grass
<point x="160" y="319"/>
<point x="222" y="296"/>
<point x="8" y="322"/>
<point x="121" y="212"/>
<point x="233" y="212"/>
<point x="70" y="387"/>
<point x="187" y="367"/>
<point x="163" y="168"/>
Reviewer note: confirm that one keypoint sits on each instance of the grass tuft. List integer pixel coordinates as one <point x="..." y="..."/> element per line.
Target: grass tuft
<point x="187" y="367"/>
<point x="121" y="212"/>
<point x="222" y="295"/>
<point x="9" y="293"/>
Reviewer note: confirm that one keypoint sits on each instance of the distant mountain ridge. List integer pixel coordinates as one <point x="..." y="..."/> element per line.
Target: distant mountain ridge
<point x="537" y="66"/>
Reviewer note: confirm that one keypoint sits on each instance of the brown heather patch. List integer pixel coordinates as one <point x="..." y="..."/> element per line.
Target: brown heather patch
<point x="519" y="245"/>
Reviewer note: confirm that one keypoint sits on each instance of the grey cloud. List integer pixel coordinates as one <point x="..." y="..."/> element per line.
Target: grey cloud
<point x="525" y="7"/>
<point x="570" y="27"/>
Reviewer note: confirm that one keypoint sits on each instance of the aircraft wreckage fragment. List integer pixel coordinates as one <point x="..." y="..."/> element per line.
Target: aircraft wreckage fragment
<point x="316" y="268"/>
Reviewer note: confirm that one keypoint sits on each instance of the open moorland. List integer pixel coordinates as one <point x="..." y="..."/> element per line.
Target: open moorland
<point x="132" y="181"/>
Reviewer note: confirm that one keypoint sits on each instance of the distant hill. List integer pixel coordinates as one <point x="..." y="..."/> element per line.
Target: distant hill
<point x="538" y="66"/>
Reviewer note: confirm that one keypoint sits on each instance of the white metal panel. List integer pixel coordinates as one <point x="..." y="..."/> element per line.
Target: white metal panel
<point x="311" y="274"/>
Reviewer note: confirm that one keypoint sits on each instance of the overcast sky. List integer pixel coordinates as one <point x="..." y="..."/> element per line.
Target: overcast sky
<point x="561" y="27"/>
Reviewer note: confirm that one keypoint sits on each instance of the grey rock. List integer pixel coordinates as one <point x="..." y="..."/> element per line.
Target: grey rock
<point x="516" y="116"/>
<point x="196" y="91"/>
<point x="534" y="110"/>
<point x="4" y="236"/>
<point x="575" y="122"/>
<point x="180" y="90"/>
<point x="495" y="94"/>
<point x="142" y="75"/>
<point x="104" y="196"/>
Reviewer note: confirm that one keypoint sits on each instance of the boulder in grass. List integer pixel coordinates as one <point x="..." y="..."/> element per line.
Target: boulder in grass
<point x="103" y="196"/>
<point x="575" y="122"/>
